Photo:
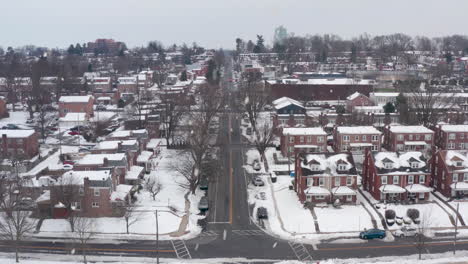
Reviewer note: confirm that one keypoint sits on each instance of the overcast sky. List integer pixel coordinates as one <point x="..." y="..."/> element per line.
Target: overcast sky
<point x="216" y="23"/>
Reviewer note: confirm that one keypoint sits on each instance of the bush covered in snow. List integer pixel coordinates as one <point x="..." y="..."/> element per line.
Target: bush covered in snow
<point x="413" y="214"/>
<point x="390" y="214"/>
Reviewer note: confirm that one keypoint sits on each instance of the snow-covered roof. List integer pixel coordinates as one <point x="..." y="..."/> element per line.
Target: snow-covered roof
<point x="454" y="128"/>
<point x="297" y="131"/>
<point x="285" y="101"/>
<point x="358" y="130"/>
<point x="17" y="133"/>
<point x="77" y="177"/>
<point x="384" y="94"/>
<point x="144" y="156"/>
<point x="134" y="172"/>
<point x="353" y="96"/>
<point x="73" y="117"/>
<point x="316" y="190"/>
<point x="390" y="188"/>
<point x="121" y="192"/>
<point x="452" y="156"/>
<point x="327" y="164"/>
<point x="339" y="81"/>
<point x="410" y="129"/>
<point x="417" y="188"/>
<point x="44" y="197"/>
<point x="126" y="80"/>
<point x="75" y="99"/>
<point x="399" y="160"/>
<point x="114" y="144"/>
<point x="459" y="186"/>
<point x="154" y="142"/>
<point x="342" y="190"/>
<point x="97" y="159"/>
<point x="104" y="98"/>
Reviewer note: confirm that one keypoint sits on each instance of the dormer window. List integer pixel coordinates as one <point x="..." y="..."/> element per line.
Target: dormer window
<point x="388" y="165"/>
<point x="459" y="164"/>
<point x="414" y="165"/>
<point x="341" y="167"/>
<point x="315" y="168"/>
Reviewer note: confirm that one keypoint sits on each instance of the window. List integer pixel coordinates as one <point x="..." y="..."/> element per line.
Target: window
<point x="396" y="179"/>
<point x="356" y="138"/>
<point x="97" y="192"/>
<point x="422" y="179"/>
<point x="364" y="137"/>
<point x="451" y="146"/>
<point x="95" y="204"/>
<point x="349" y="198"/>
<point x="19" y="141"/>
<point x="301" y="139"/>
<point x="414" y="165"/>
<point x="452" y="136"/>
<point x="345" y="138"/>
<point x="321" y="181"/>
<point x="418" y="137"/>
<point x="410" y="179"/>
<point x="344" y="147"/>
<point x="459" y="164"/>
<point x="315" y="167"/>
<point x="374" y="148"/>
<point x="319" y="197"/>
<point x="428" y="137"/>
<point x="383" y="179"/>
<point x="443" y="175"/>
<point x="462" y="135"/>
<point x="291" y="139"/>
<point x="310" y="181"/>
<point x="388" y="165"/>
<point x="455" y="177"/>
<point x="461" y="145"/>
<point x="341" y="167"/>
<point x="400" y="147"/>
<point x="400" y="137"/>
<point x="309" y="139"/>
<point x="465" y="177"/>
<point x="319" y="139"/>
<point x="337" y="181"/>
<point x="77" y="206"/>
<point x="375" y="138"/>
<point x="349" y="181"/>
<point x="81" y="191"/>
<point x="410" y="137"/>
<point x="291" y="149"/>
<point x="309" y="197"/>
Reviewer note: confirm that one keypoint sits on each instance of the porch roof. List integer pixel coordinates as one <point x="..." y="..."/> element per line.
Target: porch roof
<point x="391" y="188"/>
<point x="316" y="190"/>
<point x="459" y="186"/>
<point x="417" y="188"/>
<point x="415" y="143"/>
<point x="343" y="190"/>
<point x="361" y="144"/>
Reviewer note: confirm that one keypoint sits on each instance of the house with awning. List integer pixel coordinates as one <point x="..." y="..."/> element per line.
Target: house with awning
<point x="450" y="172"/>
<point x="396" y="176"/>
<point x="408" y="138"/>
<point x="325" y="178"/>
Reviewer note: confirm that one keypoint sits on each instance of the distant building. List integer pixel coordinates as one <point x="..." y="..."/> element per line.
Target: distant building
<point x="19" y="143"/>
<point x="104" y="46"/>
<point x="76" y="104"/>
<point x="408" y="138"/>
<point x="307" y="139"/>
<point x="450" y="173"/>
<point x="357" y="139"/>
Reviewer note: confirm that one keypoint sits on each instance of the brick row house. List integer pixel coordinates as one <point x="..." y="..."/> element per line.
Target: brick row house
<point x="325" y="177"/>
<point x="116" y="161"/>
<point x="308" y="139"/>
<point x="450" y="173"/>
<point x="452" y="136"/>
<point x="76" y="104"/>
<point x="357" y="99"/>
<point x="408" y="138"/>
<point x="394" y="176"/>
<point x="356" y="139"/>
<point x="19" y="143"/>
<point x="288" y="113"/>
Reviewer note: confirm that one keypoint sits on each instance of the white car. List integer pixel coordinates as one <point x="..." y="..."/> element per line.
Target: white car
<point x="406" y="232"/>
<point x="67" y="167"/>
<point x="256" y="165"/>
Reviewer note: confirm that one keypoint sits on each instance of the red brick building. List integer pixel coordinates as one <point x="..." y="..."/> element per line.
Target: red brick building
<point x="356" y="139"/>
<point x="289" y="113"/>
<point x="450" y="173"/>
<point x="452" y="136"/>
<point x="3" y="108"/>
<point x="326" y="177"/>
<point x="127" y="85"/>
<point x="308" y="139"/>
<point x="76" y="104"/>
<point x="357" y="99"/>
<point x="19" y="143"/>
<point x="408" y="138"/>
<point x="391" y="176"/>
<point x="117" y="161"/>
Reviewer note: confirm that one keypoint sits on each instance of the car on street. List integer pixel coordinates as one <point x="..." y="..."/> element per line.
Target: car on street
<point x="69" y="162"/>
<point x="249" y="131"/>
<point x="256" y="165"/>
<point x="256" y="181"/>
<point x="79" y="128"/>
<point x="406" y="232"/>
<point x="67" y="167"/>
<point x="203" y="184"/>
<point x="74" y="133"/>
<point x="262" y="213"/>
<point x="101" y="108"/>
<point x="372" y="233"/>
<point x="11" y="126"/>
<point x="203" y="204"/>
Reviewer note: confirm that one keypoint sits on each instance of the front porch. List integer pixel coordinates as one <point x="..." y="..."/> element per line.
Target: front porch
<point x="412" y="193"/>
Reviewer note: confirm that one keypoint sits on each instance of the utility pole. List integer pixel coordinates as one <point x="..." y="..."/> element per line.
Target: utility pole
<point x="456" y="231"/>
<point x="157" y="238"/>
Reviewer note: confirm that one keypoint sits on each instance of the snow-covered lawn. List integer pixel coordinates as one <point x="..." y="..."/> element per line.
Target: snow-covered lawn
<point x="434" y="215"/>
<point x="17" y="118"/>
<point x="463" y="208"/>
<point x="347" y="218"/>
<point x="271" y="161"/>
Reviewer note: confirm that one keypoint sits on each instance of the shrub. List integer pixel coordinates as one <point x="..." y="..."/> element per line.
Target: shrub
<point x="390" y="214"/>
<point x="412" y="213"/>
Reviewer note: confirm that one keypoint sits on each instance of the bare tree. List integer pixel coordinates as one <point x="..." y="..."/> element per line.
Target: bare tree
<point x="423" y="229"/>
<point x="84" y="232"/>
<point x="173" y="110"/>
<point x="132" y="215"/>
<point x="186" y="167"/>
<point x="15" y="223"/>
<point x="153" y="186"/>
<point x="68" y="191"/>
<point x="263" y="136"/>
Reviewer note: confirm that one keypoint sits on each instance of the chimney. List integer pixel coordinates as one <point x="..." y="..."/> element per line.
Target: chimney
<point x="4" y="142"/>
<point x="119" y="145"/>
<point x="105" y="162"/>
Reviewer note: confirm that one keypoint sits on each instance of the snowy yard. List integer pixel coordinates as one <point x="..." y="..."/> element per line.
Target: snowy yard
<point x="348" y="218"/>
<point x="271" y="161"/>
<point x="434" y="215"/>
<point x="463" y="208"/>
<point x="17" y="118"/>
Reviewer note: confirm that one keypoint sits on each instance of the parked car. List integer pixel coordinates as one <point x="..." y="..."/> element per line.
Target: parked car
<point x="79" y="128"/>
<point x="261" y="196"/>
<point x="203" y="184"/>
<point x="256" y="181"/>
<point x="29" y="121"/>
<point x="372" y="233"/>
<point x="256" y="165"/>
<point x="249" y="131"/>
<point x="83" y="150"/>
<point x="101" y="108"/>
<point x="406" y="232"/>
<point x="262" y="213"/>
<point x="11" y="126"/>
<point x="69" y="162"/>
<point x="67" y="167"/>
<point x="203" y="204"/>
<point x="74" y="133"/>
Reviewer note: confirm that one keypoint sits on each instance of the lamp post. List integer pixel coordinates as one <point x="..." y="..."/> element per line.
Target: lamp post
<point x="157" y="237"/>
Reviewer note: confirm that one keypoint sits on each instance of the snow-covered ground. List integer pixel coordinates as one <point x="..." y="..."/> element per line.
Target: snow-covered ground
<point x="169" y="202"/>
<point x="331" y="219"/>
<point x="463" y="208"/>
<point x="251" y="156"/>
<point x="17" y="118"/>
<point x="271" y="161"/>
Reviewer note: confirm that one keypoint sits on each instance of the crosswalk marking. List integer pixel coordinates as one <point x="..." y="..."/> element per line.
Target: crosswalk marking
<point x="300" y="251"/>
<point x="181" y="249"/>
<point x="248" y="232"/>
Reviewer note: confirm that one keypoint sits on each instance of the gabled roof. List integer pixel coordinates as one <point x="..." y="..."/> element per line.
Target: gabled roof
<point x="328" y="163"/>
<point x="354" y="96"/>
<point x="401" y="162"/>
<point x="285" y="101"/>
